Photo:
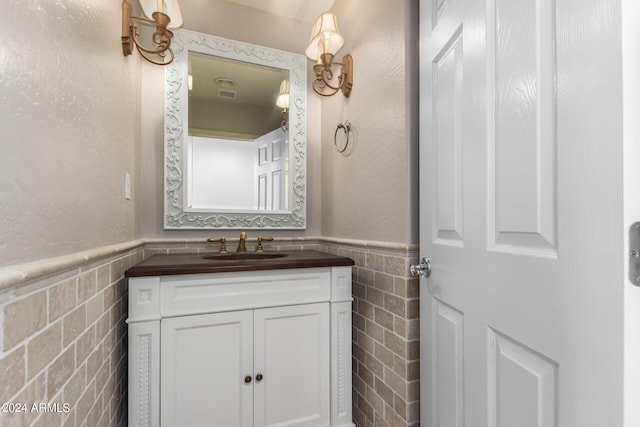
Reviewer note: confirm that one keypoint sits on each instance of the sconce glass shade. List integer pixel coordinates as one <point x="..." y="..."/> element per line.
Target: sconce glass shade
<point x="325" y="37"/>
<point x="171" y="8"/>
<point x="283" y="95"/>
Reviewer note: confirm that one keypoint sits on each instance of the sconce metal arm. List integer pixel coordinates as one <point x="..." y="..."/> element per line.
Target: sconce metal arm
<point x="324" y="76"/>
<point x="161" y="37"/>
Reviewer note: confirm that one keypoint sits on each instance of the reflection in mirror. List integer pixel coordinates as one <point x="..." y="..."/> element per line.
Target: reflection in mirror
<point x="228" y="174"/>
<point x="235" y="132"/>
<point x="232" y="99"/>
<point x="235" y="135"/>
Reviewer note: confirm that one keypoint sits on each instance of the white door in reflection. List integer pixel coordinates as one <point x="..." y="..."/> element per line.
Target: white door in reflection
<point x="271" y="171"/>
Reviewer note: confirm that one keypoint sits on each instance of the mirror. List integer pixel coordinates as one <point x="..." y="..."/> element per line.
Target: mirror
<point x="235" y="158"/>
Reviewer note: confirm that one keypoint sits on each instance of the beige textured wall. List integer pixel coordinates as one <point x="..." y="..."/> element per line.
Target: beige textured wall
<point x="71" y="116"/>
<point x="69" y="126"/>
<point x="371" y="194"/>
<point x="249" y="25"/>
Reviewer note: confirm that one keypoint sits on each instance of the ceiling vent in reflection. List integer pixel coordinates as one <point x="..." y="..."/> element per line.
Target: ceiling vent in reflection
<point x="227" y="94"/>
<point x="226" y="88"/>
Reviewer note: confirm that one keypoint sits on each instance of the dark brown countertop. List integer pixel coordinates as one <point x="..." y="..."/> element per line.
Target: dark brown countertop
<point x="166" y="265"/>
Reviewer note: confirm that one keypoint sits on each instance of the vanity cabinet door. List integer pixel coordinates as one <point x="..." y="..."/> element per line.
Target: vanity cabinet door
<point x="205" y="360"/>
<point x="291" y="366"/>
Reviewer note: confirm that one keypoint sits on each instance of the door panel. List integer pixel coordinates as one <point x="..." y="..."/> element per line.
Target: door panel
<point x="448" y="341"/>
<point x="523" y="385"/>
<point x="521" y="136"/>
<point x="523" y="312"/>
<point x="447" y="136"/>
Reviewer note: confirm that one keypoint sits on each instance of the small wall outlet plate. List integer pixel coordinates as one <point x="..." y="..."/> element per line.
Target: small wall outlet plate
<point x="127" y="186"/>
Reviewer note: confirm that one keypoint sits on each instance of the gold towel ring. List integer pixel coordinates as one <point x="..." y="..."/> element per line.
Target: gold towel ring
<point x="346" y="128"/>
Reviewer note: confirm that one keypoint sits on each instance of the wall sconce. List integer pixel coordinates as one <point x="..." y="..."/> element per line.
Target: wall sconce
<point x="164" y="14"/>
<point x="283" y="102"/>
<point x="325" y="41"/>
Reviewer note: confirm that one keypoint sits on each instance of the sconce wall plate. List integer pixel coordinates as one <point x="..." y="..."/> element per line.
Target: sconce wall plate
<point x="127" y="44"/>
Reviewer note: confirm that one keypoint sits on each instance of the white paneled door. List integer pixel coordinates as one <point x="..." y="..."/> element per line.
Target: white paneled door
<point x="521" y="213"/>
<point x="271" y="171"/>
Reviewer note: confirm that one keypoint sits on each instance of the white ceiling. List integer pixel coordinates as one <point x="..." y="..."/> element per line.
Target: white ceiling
<point x="303" y="10"/>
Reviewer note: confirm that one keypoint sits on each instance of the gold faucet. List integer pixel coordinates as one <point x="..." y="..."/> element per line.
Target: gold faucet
<point x="242" y="247"/>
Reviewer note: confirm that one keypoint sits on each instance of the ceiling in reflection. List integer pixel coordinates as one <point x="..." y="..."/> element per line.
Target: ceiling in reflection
<point x="221" y="80"/>
<point x="303" y="10"/>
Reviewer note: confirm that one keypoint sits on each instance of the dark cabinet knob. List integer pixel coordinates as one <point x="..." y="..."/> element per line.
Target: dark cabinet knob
<point x="247" y="379"/>
<point x="259" y="378"/>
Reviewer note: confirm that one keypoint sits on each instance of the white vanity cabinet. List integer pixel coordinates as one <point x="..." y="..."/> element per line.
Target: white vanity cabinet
<point x="257" y="348"/>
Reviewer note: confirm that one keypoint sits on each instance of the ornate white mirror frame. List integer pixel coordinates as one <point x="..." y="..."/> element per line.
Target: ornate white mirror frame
<point x="177" y="214"/>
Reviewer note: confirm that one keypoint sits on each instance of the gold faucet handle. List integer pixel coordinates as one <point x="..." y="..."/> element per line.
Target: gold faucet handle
<point x="259" y="248"/>
<point x="222" y="240"/>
